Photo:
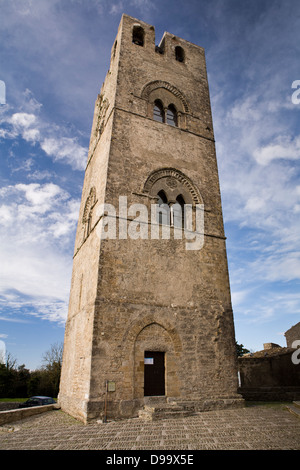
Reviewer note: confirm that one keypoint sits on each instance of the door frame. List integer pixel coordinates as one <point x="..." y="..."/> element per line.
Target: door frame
<point x="154" y="373"/>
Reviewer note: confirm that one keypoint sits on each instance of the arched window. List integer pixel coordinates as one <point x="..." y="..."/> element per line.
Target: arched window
<point x="178" y="212"/>
<point x="87" y="218"/>
<point x="163" y="214"/>
<point x="179" y="54"/>
<point x="162" y="198"/>
<point x="168" y="212"/>
<point x="172" y="115"/>
<point x="138" y="35"/>
<point x="173" y="188"/>
<point x="158" y="111"/>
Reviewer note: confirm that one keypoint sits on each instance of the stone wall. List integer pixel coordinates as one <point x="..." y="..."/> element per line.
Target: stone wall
<point x="293" y="334"/>
<point x="269" y="375"/>
<point x="13" y="415"/>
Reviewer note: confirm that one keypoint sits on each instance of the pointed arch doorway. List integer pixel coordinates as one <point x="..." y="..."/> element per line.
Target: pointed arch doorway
<point x="160" y="342"/>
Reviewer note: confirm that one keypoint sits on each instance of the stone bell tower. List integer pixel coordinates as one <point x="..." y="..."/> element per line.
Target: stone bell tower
<point x="150" y="319"/>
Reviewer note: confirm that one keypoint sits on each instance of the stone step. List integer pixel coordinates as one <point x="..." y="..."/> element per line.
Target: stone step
<point x="160" y="415"/>
<point x="294" y="408"/>
<point x="155" y="400"/>
<point x="165" y="411"/>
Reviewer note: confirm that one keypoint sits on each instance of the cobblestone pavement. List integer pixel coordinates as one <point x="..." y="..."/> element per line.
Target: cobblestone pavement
<point x="249" y="428"/>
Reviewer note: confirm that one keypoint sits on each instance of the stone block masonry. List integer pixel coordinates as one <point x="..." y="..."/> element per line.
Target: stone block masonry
<point x="152" y="141"/>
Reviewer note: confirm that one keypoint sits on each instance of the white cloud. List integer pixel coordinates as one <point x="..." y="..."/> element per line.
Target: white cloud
<point x="40" y="175"/>
<point x="142" y="5"/>
<point x="35" y="130"/>
<point x="6" y="216"/>
<point x="116" y="8"/>
<point x="31" y="135"/>
<point x="245" y="110"/>
<point x="254" y="204"/>
<point x="238" y="296"/>
<point x="2" y="352"/>
<point x="277" y="267"/>
<point x="66" y="149"/>
<point x="36" y="245"/>
<point x="258" y="154"/>
<point x="269" y="305"/>
<point x="39" y="195"/>
<point x="282" y="148"/>
<point x="22" y="120"/>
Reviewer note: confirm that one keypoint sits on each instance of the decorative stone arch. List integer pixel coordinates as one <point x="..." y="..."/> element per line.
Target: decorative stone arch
<point x="87" y="212"/>
<point x="152" y="86"/>
<point x="173" y="182"/>
<point x="135" y="328"/>
<point x="155" y="334"/>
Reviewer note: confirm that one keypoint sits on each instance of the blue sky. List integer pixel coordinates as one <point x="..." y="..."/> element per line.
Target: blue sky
<point x="54" y="56"/>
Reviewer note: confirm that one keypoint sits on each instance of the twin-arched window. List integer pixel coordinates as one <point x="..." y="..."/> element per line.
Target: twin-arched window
<point x="170" y="212"/>
<point x="168" y="115"/>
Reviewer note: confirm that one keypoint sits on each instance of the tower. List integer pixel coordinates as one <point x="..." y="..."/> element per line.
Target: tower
<point x="150" y="316"/>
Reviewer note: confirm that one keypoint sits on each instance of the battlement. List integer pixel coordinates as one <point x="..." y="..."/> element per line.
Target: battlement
<point x="142" y="72"/>
<point x="139" y="37"/>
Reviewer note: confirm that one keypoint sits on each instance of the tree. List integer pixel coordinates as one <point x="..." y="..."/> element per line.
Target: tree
<point x="240" y="349"/>
<point x="52" y="366"/>
<point x="8" y="377"/>
<point x="22" y="376"/>
<point x="53" y="355"/>
<point x="10" y="362"/>
<point x="18" y="382"/>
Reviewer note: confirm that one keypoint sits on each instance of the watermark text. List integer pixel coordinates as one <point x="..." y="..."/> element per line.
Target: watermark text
<point x="296" y="94"/>
<point x="161" y="222"/>
<point x="296" y="354"/>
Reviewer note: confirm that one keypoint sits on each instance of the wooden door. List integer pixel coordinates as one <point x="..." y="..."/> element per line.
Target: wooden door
<point x="154" y="373"/>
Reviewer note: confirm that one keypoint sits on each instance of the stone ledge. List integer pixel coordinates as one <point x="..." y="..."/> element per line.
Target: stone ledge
<point x="182" y="408"/>
<point x="10" y="416"/>
<point x="283" y="393"/>
<point x="294" y="408"/>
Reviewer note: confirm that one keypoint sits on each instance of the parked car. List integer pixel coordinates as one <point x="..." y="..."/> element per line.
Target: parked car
<point x="37" y="401"/>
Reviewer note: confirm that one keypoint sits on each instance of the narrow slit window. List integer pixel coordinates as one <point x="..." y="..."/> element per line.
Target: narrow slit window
<point x="179" y="54"/>
<point x="114" y="50"/>
<point x="89" y="224"/>
<point x="158" y="111"/>
<point x="172" y="116"/>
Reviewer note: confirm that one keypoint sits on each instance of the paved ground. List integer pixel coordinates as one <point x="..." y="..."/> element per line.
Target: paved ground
<point x="249" y="428"/>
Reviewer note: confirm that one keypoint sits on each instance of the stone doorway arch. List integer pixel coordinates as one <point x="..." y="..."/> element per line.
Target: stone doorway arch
<point x="152" y="334"/>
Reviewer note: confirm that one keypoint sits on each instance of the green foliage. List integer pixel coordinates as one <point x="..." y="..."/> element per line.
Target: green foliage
<point x="20" y="382"/>
<point x="240" y="349"/>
